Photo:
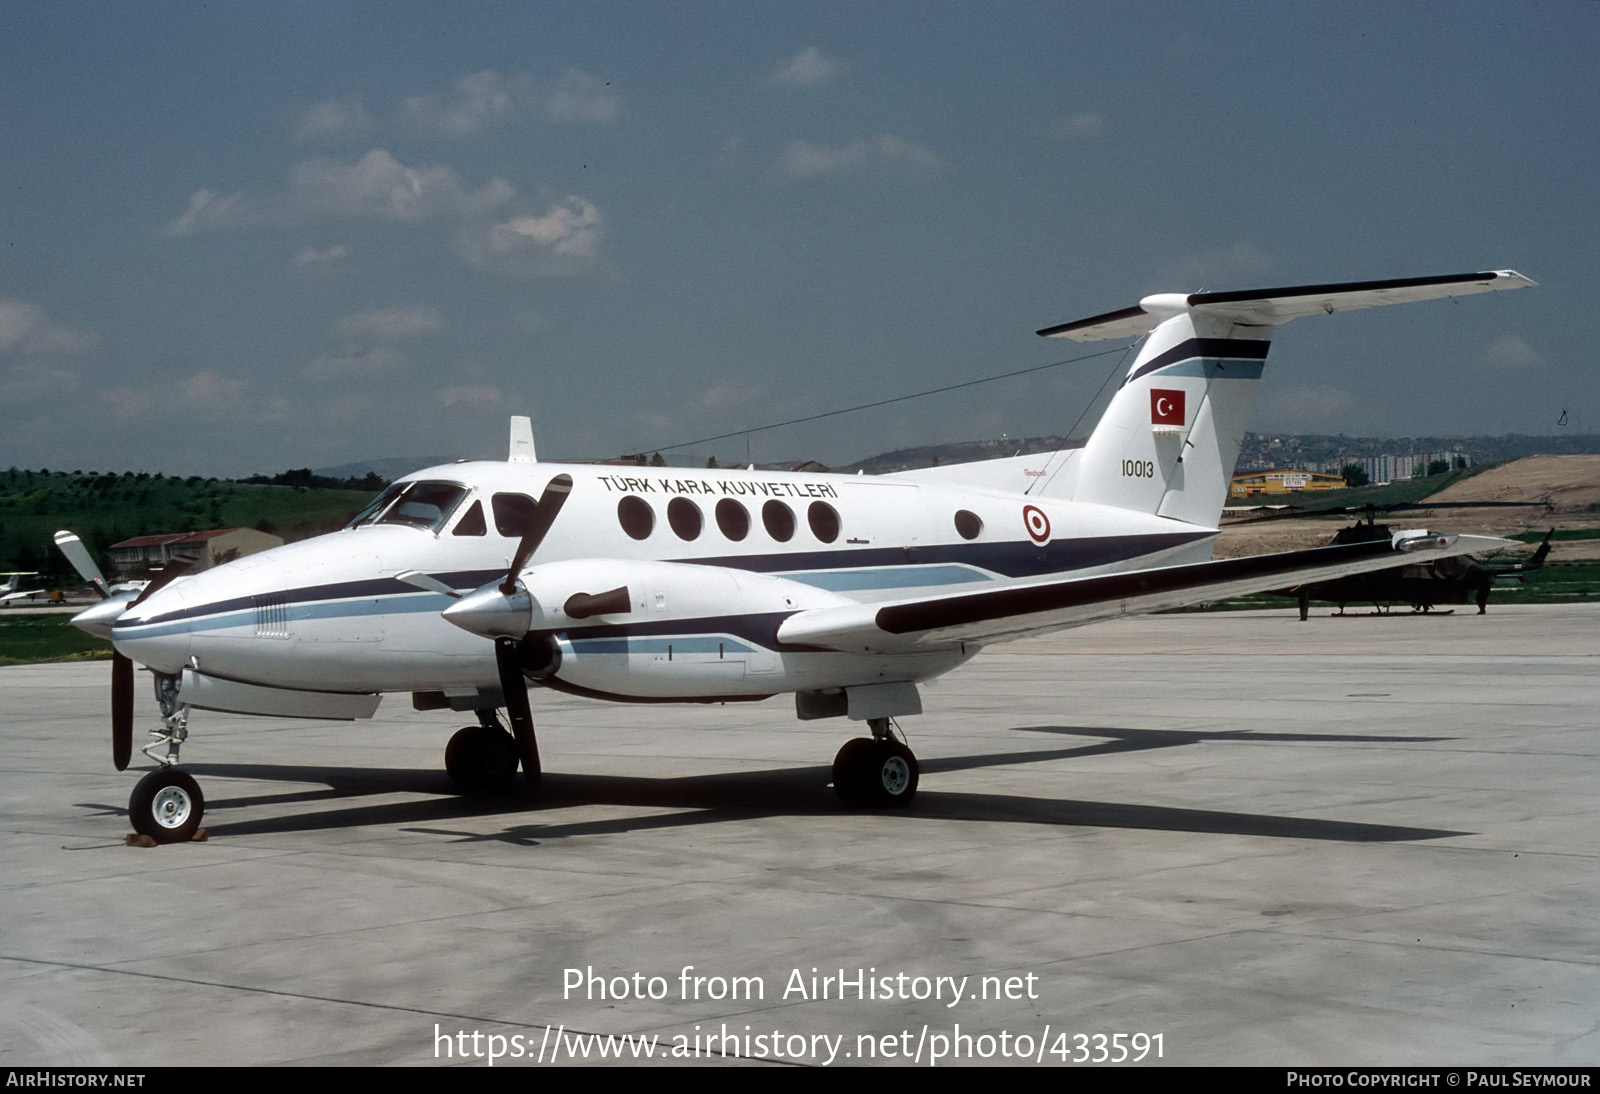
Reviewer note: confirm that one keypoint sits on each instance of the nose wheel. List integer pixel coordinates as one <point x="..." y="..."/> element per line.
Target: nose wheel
<point x="875" y="771"/>
<point x="167" y="805"/>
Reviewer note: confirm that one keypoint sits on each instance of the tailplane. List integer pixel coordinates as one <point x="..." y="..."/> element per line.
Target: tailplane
<point x="1170" y="438"/>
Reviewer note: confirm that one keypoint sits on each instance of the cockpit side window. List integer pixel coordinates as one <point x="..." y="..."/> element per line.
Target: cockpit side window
<point x="512" y="513"/>
<point x="426" y="505"/>
<point x="471" y="524"/>
<point x="417" y="504"/>
<point x="377" y="505"/>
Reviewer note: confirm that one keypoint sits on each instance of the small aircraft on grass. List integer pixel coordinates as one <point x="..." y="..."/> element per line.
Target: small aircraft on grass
<point x="462" y="584"/>
<point x="12" y="593"/>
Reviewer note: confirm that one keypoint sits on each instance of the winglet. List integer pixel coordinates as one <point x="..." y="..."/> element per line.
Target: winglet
<point x="521" y="441"/>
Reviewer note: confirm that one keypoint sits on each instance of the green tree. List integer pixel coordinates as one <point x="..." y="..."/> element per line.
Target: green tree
<point x="1354" y="475"/>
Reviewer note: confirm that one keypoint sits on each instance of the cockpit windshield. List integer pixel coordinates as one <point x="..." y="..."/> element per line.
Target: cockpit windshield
<point x="418" y="504"/>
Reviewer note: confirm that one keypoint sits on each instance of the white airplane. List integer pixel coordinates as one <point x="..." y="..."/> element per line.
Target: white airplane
<point x="11" y="593"/>
<point x="461" y="584"/>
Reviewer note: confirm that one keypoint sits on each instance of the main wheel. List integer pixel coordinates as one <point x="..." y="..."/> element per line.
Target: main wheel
<point x="868" y="771"/>
<point x="852" y="770"/>
<point x="481" y="758"/>
<point x="894" y="776"/>
<point x="167" y="806"/>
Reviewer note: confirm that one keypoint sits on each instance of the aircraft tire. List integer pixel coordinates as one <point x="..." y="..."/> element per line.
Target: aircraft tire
<point x="852" y="768"/>
<point x="167" y="805"/>
<point x="869" y="772"/>
<point x="480" y="758"/>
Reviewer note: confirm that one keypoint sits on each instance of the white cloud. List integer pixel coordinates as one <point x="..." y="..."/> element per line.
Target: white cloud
<point x="486" y="100"/>
<point x="882" y="154"/>
<point x="1510" y="353"/>
<point x="1078" y="126"/>
<point x="564" y="239"/>
<point x="26" y="328"/>
<point x="355" y="362"/>
<point x="204" y="396"/>
<point x="376" y="185"/>
<point x="309" y="258"/>
<point x="578" y="97"/>
<point x="1208" y="270"/>
<point x="36" y="380"/>
<point x="333" y="121"/>
<point x="389" y="324"/>
<point x="808" y="68"/>
<point x="476" y="104"/>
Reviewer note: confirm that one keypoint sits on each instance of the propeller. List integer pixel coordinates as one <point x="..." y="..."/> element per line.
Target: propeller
<point x="70" y="545"/>
<point x="504" y="612"/>
<point x="98" y="621"/>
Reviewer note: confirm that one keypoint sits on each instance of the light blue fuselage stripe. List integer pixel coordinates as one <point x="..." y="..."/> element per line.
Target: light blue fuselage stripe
<point x="893" y="577"/>
<point x="722" y="644"/>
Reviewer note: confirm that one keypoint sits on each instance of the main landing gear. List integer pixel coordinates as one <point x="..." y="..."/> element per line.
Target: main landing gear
<point x="875" y="771"/>
<point x="482" y="757"/>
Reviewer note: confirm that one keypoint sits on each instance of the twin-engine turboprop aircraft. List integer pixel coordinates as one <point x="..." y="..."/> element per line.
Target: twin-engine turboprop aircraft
<point x="460" y="584"/>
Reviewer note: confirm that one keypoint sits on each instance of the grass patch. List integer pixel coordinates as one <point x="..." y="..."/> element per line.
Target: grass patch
<point x="27" y="640"/>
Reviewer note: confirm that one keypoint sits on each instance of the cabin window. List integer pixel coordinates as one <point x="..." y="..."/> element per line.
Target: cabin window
<point x="472" y="524"/>
<point x="684" y="516"/>
<point x="824" y="521"/>
<point x="416" y="504"/>
<point x="733" y="518"/>
<point x="968" y="524"/>
<point x="636" y="517"/>
<point x="779" y="520"/>
<point x="512" y="512"/>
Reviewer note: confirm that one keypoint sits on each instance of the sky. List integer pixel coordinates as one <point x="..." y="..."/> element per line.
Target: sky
<point x="246" y="237"/>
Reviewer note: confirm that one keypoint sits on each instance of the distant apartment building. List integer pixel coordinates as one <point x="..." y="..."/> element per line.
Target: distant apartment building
<point x="137" y="558"/>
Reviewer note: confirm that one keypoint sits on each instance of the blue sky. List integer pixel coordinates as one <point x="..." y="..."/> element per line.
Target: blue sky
<point x="246" y="237"/>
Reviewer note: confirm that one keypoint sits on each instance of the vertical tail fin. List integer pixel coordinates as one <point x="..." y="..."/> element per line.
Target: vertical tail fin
<point x="1170" y="438"/>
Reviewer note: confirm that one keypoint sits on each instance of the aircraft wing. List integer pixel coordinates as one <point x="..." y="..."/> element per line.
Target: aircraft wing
<point x="1019" y="609"/>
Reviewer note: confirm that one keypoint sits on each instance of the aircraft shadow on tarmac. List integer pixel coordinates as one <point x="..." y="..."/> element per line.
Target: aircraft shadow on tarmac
<point x="746" y="795"/>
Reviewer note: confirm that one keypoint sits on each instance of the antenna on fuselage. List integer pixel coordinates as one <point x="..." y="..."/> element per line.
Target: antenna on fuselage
<point x="521" y="441"/>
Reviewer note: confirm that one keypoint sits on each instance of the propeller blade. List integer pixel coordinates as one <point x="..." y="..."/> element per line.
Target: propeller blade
<point x="518" y="712"/>
<point x="77" y="554"/>
<point x="544" y="515"/>
<point x="426" y="582"/>
<point x="121" y="710"/>
<point x="173" y="571"/>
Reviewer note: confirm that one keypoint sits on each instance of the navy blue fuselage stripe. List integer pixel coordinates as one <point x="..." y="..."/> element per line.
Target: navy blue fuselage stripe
<point x="1236" y="348"/>
<point x="1011" y="559"/>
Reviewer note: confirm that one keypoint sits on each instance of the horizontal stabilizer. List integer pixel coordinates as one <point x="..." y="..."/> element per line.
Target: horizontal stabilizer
<point x="1273" y="307"/>
<point x="1024" y="608"/>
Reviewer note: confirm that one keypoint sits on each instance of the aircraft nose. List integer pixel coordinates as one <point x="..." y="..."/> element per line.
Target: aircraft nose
<point x="157" y="632"/>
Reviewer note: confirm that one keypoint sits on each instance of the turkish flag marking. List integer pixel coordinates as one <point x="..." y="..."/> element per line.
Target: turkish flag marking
<point x="1166" y="406"/>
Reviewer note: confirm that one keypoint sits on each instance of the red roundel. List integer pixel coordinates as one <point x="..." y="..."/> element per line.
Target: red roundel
<point x="1037" y="524"/>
